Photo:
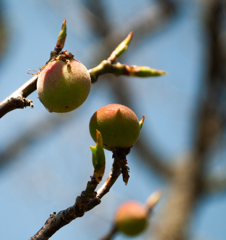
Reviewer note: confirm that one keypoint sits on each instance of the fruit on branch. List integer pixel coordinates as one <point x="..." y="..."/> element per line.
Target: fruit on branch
<point x="118" y="125"/>
<point x="131" y="218"/>
<point x="63" y="84"/>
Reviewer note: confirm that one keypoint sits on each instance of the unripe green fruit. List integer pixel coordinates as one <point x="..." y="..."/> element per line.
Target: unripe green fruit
<point x="131" y="218"/>
<point x="118" y="125"/>
<point x="63" y="85"/>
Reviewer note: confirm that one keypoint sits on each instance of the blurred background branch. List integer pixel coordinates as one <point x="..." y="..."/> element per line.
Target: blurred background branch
<point x="3" y="32"/>
<point x="186" y="189"/>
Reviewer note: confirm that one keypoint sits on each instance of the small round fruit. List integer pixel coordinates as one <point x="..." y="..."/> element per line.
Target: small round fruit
<point x="63" y="85"/>
<point x="131" y="218"/>
<point x="118" y="125"/>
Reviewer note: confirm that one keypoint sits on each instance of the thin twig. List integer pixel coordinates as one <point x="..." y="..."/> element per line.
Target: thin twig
<point x="115" y="172"/>
<point x="122" y="69"/>
<point x="111" y="234"/>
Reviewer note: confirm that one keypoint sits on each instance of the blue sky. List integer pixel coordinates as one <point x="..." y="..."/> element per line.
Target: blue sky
<point x="49" y="174"/>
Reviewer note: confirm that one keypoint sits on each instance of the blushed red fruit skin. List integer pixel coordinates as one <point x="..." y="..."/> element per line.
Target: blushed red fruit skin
<point x="118" y="125"/>
<point x="62" y="87"/>
<point x="131" y="218"/>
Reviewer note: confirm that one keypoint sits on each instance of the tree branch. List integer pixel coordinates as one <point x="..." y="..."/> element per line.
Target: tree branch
<point x="215" y="183"/>
<point x="18" y="98"/>
<point x="85" y="202"/>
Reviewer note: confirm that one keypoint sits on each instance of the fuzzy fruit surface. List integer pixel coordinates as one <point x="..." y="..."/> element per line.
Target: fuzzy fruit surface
<point x="131" y="218"/>
<point x="63" y="86"/>
<point x="118" y="125"/>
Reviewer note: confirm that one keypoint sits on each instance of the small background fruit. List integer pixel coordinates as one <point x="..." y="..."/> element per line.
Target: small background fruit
<point x="63" y="85"/>
<point x="118" y="125"/>
<point x="131" y="218"/>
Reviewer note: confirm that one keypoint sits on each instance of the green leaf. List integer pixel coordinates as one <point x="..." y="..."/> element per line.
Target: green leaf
<point x="98" y="152"/>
